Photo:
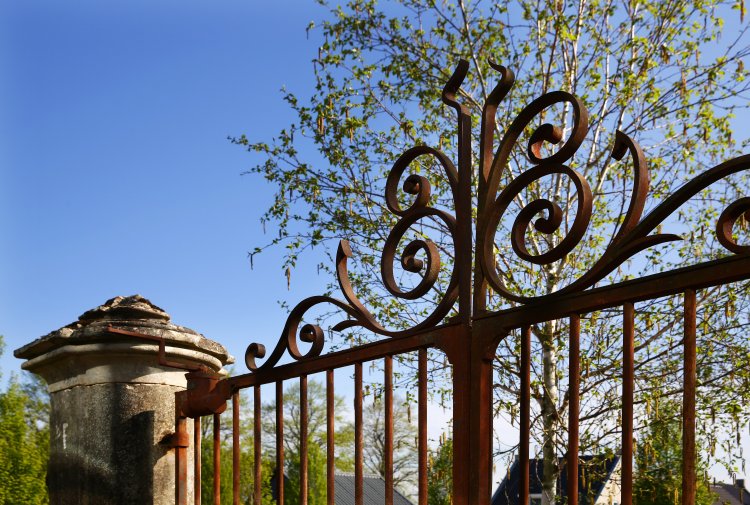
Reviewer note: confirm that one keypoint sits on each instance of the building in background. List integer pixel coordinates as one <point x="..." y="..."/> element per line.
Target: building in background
<point x="598" y="482"/>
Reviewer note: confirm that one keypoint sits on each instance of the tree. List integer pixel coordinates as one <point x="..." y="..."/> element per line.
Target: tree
<point x="439" y="473"/>
<point x="404" y="444"/>
<point x="24" y="443"/>
<point x="247" y="477"/>
<point x="669" y="75"/>
<point x="658" y="459"/>
<point x="316" y="440"/>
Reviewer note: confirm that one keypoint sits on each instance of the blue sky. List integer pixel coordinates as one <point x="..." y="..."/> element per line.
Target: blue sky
<point x="116" y="175"/>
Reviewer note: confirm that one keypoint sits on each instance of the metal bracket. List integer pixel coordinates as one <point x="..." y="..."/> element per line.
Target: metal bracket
<point x="206" y="391"/>
<point x="162" y="350"/>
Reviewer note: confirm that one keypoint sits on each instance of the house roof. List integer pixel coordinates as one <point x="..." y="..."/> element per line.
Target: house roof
<point x="593" y="472"/>
<point x="373" y="490"/>
<point x="730" y="494"/>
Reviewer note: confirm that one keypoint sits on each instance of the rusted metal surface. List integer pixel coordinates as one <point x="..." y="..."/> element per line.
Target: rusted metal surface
<point x="358" y="438"/>
<point x="162" y="356"/>
<point x="280" y="441"/>
<point x="574" y="397"/>
<point x="303" y="440"/>
<point x="525" y="424"/>
<point x="469" y="338"/>
<point x="366" y="352"/>
<point x="723" y="271"/>
<point x="257" y="442"/>
<point x="388" y="386"/>
<point x="330" y="439"/>
<point x="463" y="436"/>
<point x="628" y="387"/>
<point x="688" y="401"/>
<point x="236" y="448"/>
<point x="181" y="461"/>
<point x="422" y="426"/>
<point x="197" y="470"/>
<point x="217" y="459"/>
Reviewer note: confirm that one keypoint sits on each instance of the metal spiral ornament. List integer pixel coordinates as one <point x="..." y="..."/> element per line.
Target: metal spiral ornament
<point x="634" y="233"/>
<point x="422" y="257"/>
<point x="551" y="219"/>
<point x="726" y="222"/>
<point x="429" y="268"/>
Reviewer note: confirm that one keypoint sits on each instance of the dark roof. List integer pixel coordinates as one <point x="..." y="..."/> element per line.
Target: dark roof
<point x="593" y="473"/>
<point x="731" y="494"/>
<point x="373" y="491"/>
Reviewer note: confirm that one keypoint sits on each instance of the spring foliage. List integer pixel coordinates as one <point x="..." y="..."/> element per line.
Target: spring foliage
<point x="671" y="75"/>
<point x="24" y="442"/>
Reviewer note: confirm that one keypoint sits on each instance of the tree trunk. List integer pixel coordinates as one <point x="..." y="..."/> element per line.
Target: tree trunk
<point x="549" y="413"/>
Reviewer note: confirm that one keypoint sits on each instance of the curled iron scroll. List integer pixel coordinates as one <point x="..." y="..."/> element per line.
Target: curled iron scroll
<point x="633" y="235"/>
<point x="725" y="224"/>
<point x="358" y="315"/>
<point x="495" y="207"/>
<point x="639" y="237"/>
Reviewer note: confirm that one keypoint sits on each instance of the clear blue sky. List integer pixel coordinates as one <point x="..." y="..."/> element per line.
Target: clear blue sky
<point x="116" y="175"/>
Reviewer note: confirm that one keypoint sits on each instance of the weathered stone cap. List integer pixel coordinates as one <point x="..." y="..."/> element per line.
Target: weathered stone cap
<point x="133" y="313"/>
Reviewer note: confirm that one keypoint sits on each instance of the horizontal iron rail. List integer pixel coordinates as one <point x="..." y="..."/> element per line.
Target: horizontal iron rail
<point x="673" y="282"/>
<point x="722" y="271"/>
<point x="347" y="357"/>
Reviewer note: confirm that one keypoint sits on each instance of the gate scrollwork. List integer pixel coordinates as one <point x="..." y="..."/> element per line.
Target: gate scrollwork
<point x="633" y="235"/>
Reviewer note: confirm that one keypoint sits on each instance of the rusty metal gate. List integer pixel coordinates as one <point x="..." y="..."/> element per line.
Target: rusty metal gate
<point x="470" y="337"/>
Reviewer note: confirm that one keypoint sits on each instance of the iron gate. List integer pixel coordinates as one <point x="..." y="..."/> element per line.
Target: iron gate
<point x="469" y="338"/>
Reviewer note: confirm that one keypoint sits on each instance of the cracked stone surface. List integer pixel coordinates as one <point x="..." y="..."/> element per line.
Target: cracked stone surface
<point x="113" y="403"/>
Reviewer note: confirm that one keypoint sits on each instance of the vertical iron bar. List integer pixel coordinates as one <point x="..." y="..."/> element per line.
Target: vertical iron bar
<point x="256" y="445"/>
<point x="236" y="448"/>
<point x="688" y="401"/>
<point x="486" y="157"/>
<point x="463" y="216"/>
<point x="388" y="430"/>
<point x="422" y="422"/>
<point x="358" y="491"/>
<point x="466" y="431"/>
<point x="574" y="372"/>
<point x="628" y="386"/>
<point x="303" y="440"/>
<point x="525" y="427"/>
<point x="280" y="442"/>
<point x="475" y="383"/>
<point x="180" y="429"/>
<point x="197" y="437"/>
<point x="330" y="447"/>
<point x="217" y="459"/>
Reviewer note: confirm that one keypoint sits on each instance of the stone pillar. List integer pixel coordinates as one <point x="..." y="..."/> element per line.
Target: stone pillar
<point x="112" y="403"/>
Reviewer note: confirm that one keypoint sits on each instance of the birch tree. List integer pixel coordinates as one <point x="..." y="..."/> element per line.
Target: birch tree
<point x="404" y="444"/>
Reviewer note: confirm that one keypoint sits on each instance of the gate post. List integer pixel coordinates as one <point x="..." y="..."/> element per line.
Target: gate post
<point x="113" y="401"/>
